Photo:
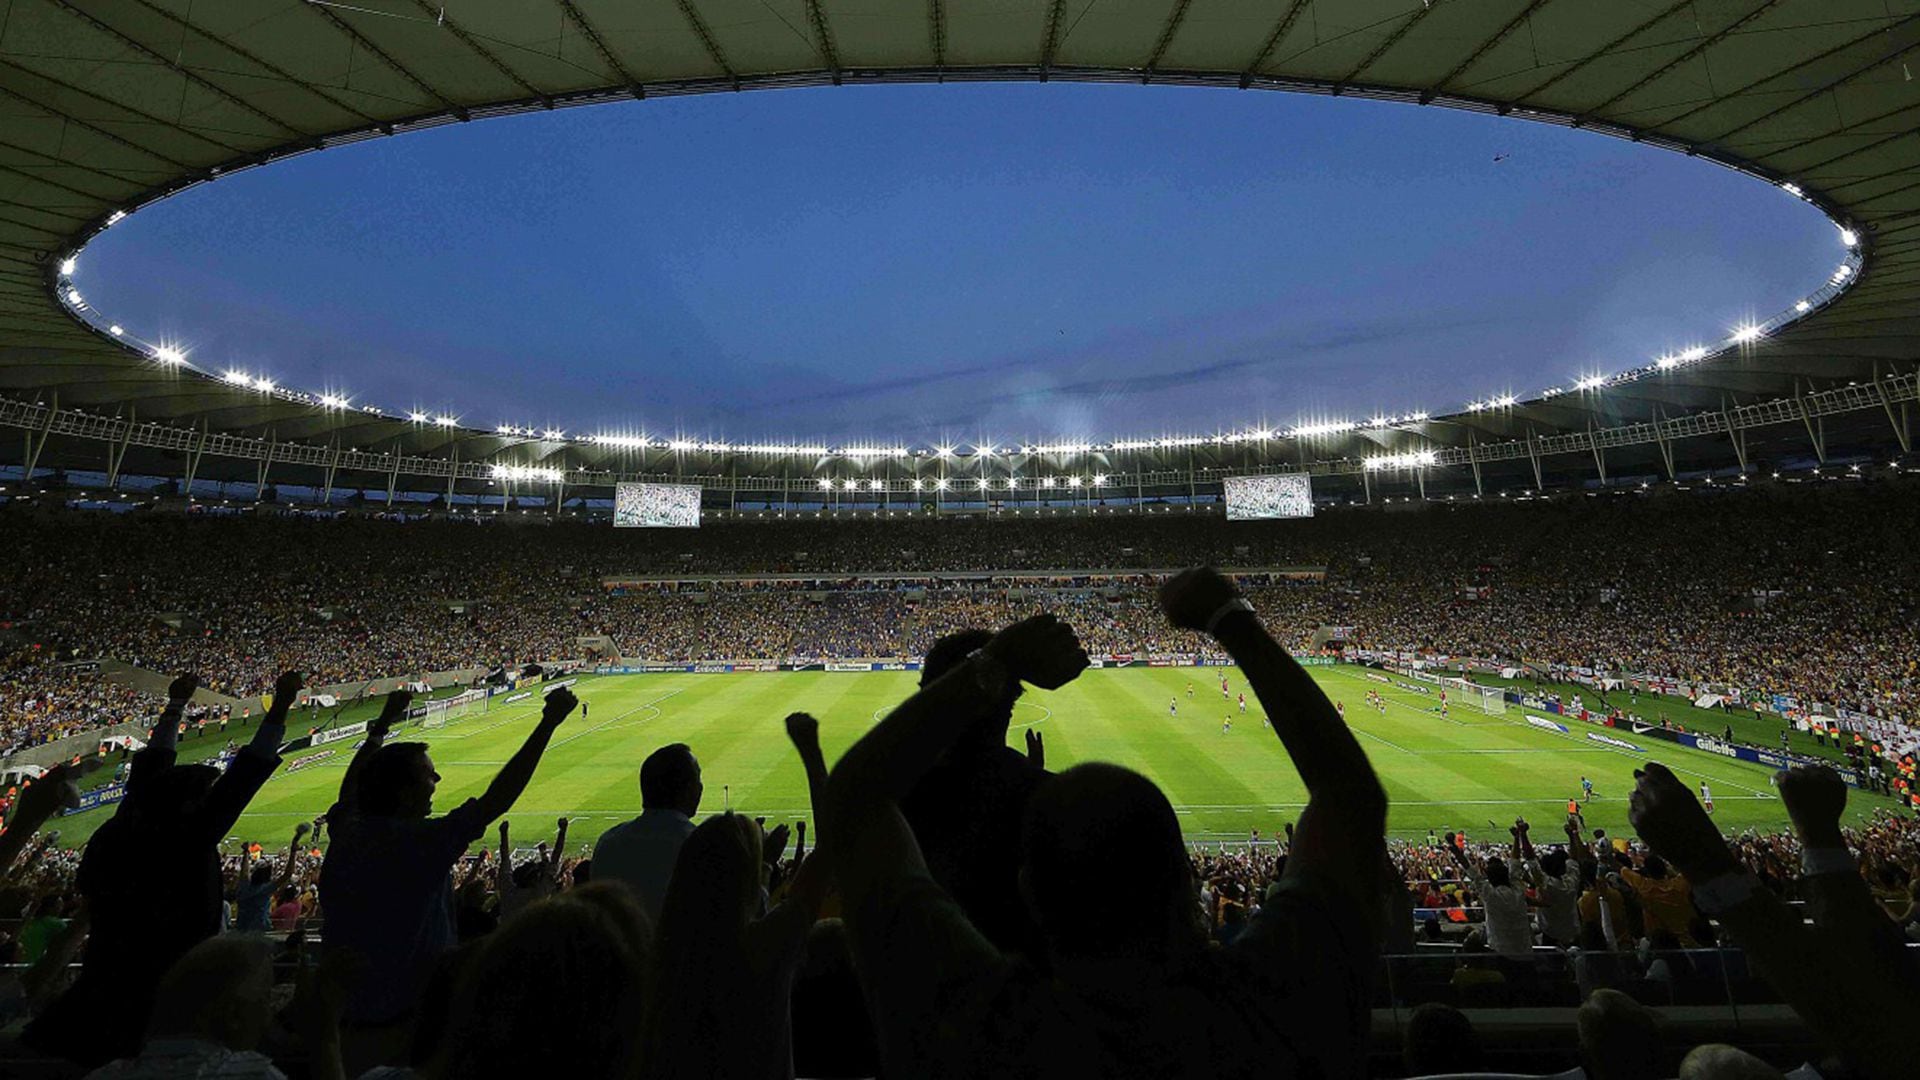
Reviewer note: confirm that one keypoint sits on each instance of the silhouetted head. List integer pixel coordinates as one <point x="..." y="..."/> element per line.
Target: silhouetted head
<point x="177" y="792"/>
<point x="567" y="968"/>
<point x="1497" y="872"/>
<point x="1440" y="1039"/>
<point x="1554" y="863"/>
<point x="217" y="991"/>
<point x="950" y="652"/>
<point x="670" y="780"/>
<point x="1082" y="825"/>
<point x="1619" y="1037"/>
<point x="398" y="780"/>
<point x="1656" y="867"/>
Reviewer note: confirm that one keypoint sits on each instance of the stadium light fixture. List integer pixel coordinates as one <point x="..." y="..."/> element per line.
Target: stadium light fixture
<point x="943" y="451"/>
<point x="74" y="298"/>
<point x="1849" y="238"/>
<point x="1802" y="306"/>
<point x="846" y="485"/>
<point x="116" y="330"/>
<point x="443" y="421"/>
<point x="983" y="483"/>
<point x="940" y="484"/>
<point x="417" y="417"/>
<point x="679" y="446"/>
<point x="68" y="265"/>
<point x="1099" y="479"/>
<point x="1793" y="190"/>
<point x="826" y="484"/>
<point x="1694" y="354"/>
<point x="1591" y="382"/>
<point x="1744" y="333"/>
<point x="873" y="485"/>
<point x="1073" y="481"/>
<point x="553" y="433"/>
<point x="918" y="484"/>
<point x="238" y="378"/>
<point x="167" y="354"/>
<point x="332" y="401"/>
<point x="1840" y="274"/>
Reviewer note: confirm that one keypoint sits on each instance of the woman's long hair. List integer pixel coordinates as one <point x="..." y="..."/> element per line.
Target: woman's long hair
<point x="700" y="944"/>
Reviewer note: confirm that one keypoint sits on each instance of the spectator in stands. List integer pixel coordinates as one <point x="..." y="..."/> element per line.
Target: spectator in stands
<point x="641" y="853"/>
<point x="254" y="893"/>
<point x="1848" y="974"/>
<point x="387" y="885"/>
<point x="152" y="879"/>
<point x="1718" y="1061"/>
<point x="1619" y="1038"/>
<point x="1440" y="1039"/>
<point x="964" y="809"/>
<point x="726" y="970"/>
<point x="1135" y="990"/>
<point x="1509" y="910"/>
<point x="558" y="990"/>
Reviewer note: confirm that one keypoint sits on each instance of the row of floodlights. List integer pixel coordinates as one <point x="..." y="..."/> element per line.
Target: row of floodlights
<point x="1744" y="334"/>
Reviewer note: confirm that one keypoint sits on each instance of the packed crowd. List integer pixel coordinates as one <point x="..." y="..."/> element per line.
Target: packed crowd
<point x="1779" y="591"/>
<point x="914" y="939"/>
<point x="42" y="700"/>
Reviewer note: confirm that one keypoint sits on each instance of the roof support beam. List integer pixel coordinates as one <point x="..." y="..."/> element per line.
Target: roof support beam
<point x="1665" y="444"/>
<point x="1598" y="53"/>
<point x="1820" y="92"/>
<point x="1786" y="72"/>
<point x="1051" y="42"/>
<point x="1172" y="26"/>
<point x="579" y="22"/>
<point x="823" y="38"/>
<point x="94" y="130"/>
<point x="1380" y="50"/>
<point x="1533" y="454"/>
<point x="1599" y="455"/>
<point x="448" y="24"/>
<point x="198" y="451"/>
<point x="266" y="464"/>
<point x="1660" y="72"/>
<point x="1280" y="29"/>
<point x="184" y="72"/>
<point x="1473" y="459"/>
<point x="157" y="121"/>
<point x="277" y="71"/>
<point x="706" y="38"/>
<point x="937" y="33"/>
<point x="1736" y="435"/>
<point x="386" y="58"/>
<point x="1440" y="86"/>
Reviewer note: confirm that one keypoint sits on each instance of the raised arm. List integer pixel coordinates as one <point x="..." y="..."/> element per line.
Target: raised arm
<point x="165" y="738"/>
<point x="252" y="765"/>
<point x="293" y="858"/>
<point x="810" y="888"/>
<point x="860" y="813"/>
<point x="39" y="801"/>
<point x="556" y="861"/>
<point x="503" y="868"/>
<point x="1342" y="833"/>
<point x="392" y="713"/>
<point x="1866" y="1019"/>
<point x="518" y="771"/>
<point x="1842" y="906"/>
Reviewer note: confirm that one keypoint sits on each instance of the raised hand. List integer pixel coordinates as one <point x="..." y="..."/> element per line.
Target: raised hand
<point x="393" y="711"/>
<point x="1193" y="597"/>
<point x="559" y="704"/>
<point x="1041" y="650"/>
<point x="803" y="729"/>
<point x="1815" y="797"/>
<point x="180" y="690"/>
<point x="300" y="831"/>
<point x="286" y="690"/>
<point x="1036" y="749"/>
<point x="1667" y="816"/>
<point x="774" y="844"/>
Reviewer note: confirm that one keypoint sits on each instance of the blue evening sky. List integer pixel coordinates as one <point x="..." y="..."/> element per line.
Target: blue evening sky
<point x="967" y="263"/>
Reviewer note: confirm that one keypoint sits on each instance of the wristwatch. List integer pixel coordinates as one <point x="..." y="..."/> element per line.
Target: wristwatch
<point x="1815" y="861"/>
<point x="1238" y="603"/>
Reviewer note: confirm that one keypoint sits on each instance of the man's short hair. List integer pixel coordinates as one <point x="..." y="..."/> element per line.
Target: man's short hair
<point x="386" y="775"/>
<point x="666" y="775"/>
<point x="948" y="653"/>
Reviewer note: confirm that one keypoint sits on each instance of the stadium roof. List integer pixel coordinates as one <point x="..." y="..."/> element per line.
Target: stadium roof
<point x="106" y="105"/>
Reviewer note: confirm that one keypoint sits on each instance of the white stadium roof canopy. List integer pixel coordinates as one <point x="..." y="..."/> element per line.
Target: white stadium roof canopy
<point x="107" y="105"/>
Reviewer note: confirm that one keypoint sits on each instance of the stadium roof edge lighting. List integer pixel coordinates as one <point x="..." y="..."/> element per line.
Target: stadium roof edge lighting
<point x="1834" y="331"/>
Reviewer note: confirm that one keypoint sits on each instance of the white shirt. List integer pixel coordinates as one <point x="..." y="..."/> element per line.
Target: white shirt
<point x="641" y="853"/>
<point x="1560" y="911"/>
<point x="1509" y="926"/>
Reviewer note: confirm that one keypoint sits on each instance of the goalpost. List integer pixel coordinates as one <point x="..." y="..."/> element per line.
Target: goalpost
<point x="441" y="710"/>
<point x="1493" y="700"/>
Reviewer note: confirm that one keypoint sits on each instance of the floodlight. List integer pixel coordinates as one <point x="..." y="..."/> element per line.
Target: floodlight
<point x="167" y="354"/>
<point x="1591" y="382"/>
<point x="67" y="266"/>
<point x="1802" y="306"/>
<point x="1048" y="482"/>
<point x="1792" y="189"/>
<point x="1697" y="352"/>
<point x="1745" y="332"/>
<point x="1073" y="481"/>
<point x="943" y="452"/>
<point x="983" y="483"/>
<point x="917" y="485"/>
<point x="417" y="417"/>
<point x="1847" y="237"/>
<point x="826" y="485"/>
<point x="1100" y="480"/>
<point x="116" y="330"/>
<point x="443" y="421"/>
<point x="551" y="433"/>
<point x="238" y="378"/>
<point x="333" y="401"/>
<point x="940" y="484"/>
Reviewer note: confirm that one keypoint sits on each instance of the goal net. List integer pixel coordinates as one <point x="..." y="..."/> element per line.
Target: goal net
<point x="441" y="711"/>
<point x="1493" y="701"/>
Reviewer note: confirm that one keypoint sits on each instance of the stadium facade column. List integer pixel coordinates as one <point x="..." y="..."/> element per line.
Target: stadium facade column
<point x="1473" y="459"/>
<point x="333" y="466"/>
<point x="194" y="455"/>
<point x="266" y="464"/>
<point x="117" y="452"/>
<point x="393" y="475"/>
<point x="35" y="444"/>
<point x="1816" y="425"/>
<point x="1366" y="482"/>
<point x="1599" y="452"/>
<point x="1736" y="435"/>
<point x="1901" y="431"/>
<point x="1533" y="454"/>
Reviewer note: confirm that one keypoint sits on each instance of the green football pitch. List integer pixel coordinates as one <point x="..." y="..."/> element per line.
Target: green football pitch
<point x="1468" y="770"/>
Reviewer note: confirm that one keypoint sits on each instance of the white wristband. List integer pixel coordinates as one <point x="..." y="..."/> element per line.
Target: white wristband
<point x="1815" y="861"/>
<point x="1238" y="603"/>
